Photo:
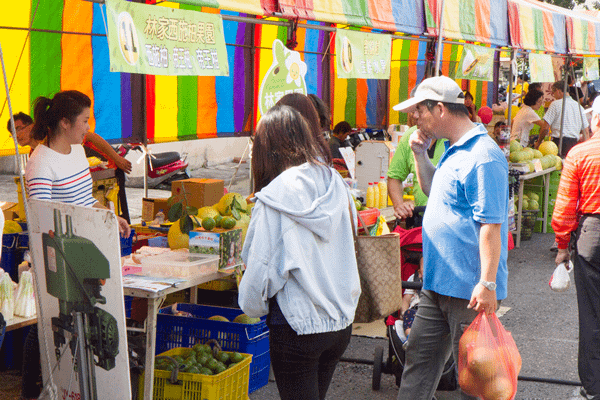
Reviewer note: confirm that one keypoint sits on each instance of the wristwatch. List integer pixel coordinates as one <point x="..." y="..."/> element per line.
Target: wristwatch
<point x="488" y="285"/>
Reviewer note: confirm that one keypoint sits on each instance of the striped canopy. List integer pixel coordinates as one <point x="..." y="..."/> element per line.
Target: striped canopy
<point x="392" y="15"/>
<point x="483" y="21"/>
<point x="254" y="7"/>
<point x="534" y="26"/>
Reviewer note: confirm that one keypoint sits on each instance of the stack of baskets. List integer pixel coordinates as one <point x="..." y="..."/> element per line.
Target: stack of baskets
<point x="527" y="223"/>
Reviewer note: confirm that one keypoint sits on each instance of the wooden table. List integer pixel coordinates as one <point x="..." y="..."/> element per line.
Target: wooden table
<point x="154" y="301"/>
<point x="19" y="322"/>
<point x="545" y="174"/>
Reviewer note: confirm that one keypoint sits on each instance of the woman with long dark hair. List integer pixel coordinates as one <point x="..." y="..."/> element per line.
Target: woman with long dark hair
<point x="299" y="253"/>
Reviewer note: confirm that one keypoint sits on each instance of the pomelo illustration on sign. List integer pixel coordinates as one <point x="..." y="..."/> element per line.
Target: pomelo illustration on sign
<point x="286" y="75"/>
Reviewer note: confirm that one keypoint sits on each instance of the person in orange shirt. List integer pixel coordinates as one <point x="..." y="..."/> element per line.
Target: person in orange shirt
<point x="576" y="222"/>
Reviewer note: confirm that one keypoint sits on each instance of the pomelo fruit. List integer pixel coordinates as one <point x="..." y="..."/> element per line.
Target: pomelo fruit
<point x="467" y="338"/>
<point x="207" y="212"/>
<point x="515" y="146"/>
<point x="482" y="363"/>
<point x="218" y="318"/>
<point x="224" y="205"/>
<point x="11" y="226"/>
<point x="177" y="239"/>
<point x="499" y="388"/>
<point x="244" y="319"/>
<point x="208" y="223"/>
<point x="548" y="147"/>
<point x="467" y="382"/>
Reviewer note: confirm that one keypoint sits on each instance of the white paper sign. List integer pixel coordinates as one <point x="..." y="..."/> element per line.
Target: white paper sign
<point x="350" y="159"/>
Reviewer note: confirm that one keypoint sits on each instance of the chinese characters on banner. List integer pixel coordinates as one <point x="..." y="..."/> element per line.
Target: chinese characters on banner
<point x="286" y="75"/>
<point x="476" y="63"/>
<point x="590" y="69"/>
<point x="362" y="55"/>
<point x="153" y="40"/>
<point x="540" y="67"/>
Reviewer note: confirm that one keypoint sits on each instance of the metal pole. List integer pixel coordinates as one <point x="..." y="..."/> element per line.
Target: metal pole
<point x="577" y="97"/>
<point x="440" y="46"/>
<point x="562" y="112"/>
<point x="81" y="357"/>
<point x="510" y="86"/>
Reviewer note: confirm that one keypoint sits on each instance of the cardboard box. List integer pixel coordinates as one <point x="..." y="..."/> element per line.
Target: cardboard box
<point x="150" y="207"/>
<point x="10" y="210"/>
<point x="199" y="192"/>
<point x="227" y="243"/>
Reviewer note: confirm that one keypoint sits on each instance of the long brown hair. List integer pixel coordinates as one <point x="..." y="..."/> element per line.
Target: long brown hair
<point x="283" y="140"/>
<point x="49" y="112"/>
<point x="305" y="106"/>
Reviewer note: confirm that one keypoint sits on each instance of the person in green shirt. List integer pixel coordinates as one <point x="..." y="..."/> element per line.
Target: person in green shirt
<point x="403" y="163"/>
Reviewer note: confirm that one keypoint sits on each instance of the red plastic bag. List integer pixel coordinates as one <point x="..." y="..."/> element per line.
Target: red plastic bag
<point x="488" y="360"/>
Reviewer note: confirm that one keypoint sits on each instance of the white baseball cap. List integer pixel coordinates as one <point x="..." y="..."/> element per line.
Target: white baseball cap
<point x="439" y="88"/>
<point x="595" y="108"/>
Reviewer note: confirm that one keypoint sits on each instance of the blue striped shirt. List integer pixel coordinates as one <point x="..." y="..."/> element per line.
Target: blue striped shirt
<point x="60" y="177"/>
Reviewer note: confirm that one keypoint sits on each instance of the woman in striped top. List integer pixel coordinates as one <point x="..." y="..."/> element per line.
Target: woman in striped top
<point x="58" y="169"/>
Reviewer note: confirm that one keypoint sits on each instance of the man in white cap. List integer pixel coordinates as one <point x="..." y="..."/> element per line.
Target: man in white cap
<point x="576" y="219"/>
<point x="465" y="231"/>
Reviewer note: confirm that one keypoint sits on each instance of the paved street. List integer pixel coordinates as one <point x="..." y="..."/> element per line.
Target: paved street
<point x="543" y="323"/>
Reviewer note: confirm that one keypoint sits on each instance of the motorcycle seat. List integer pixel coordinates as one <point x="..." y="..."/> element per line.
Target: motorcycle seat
<point x="164" y="159"/>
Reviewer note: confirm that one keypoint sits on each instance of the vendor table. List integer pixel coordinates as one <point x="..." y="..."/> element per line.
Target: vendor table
<point x="545" y="174"/>
<point x="19" y="322"/>
<point x="154" y="301"/>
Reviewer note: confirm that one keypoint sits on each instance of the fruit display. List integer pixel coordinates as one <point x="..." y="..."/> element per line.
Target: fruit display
<point x="547" y="154"/>
<point x="232" y="211"/>
<point x="200" y="359"/>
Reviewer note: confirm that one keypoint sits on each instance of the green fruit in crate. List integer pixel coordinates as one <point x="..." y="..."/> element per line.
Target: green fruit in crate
<point x="244" y="319"/>
<point x="191" y="360"/>
<point x="231" y="365"/>
<point x="533" y="205"/>
<point x="218" y="318"/>
<point x="533" y="196"/>
<point x="212" y="364"/>
<point x="203" y="358"/>
<point x="179" y="359"/>
<point x="220" y="368"/>
<point x="205" y="371"/>
<point x="525" y="204"/>
<point x="236" y="357"/>
<point x="223" y="357"/>
<point x="193" y="370"/>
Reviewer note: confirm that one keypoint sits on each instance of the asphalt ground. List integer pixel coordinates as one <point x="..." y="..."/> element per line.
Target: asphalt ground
<point x="543" y="323"/>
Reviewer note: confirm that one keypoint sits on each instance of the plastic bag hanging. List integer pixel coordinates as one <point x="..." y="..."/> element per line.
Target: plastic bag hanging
<point x="488" y="360"/>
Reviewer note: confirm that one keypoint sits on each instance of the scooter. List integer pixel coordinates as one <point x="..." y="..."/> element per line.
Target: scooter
<point x="164" y="168"/>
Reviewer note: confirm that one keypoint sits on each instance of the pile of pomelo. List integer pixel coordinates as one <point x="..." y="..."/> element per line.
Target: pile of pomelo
<point x="547" y="154"/>
<point x="200" y="359"/>
<point x="231" y="212"/>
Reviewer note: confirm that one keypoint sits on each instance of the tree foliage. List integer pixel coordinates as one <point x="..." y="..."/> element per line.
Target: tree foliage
<point x="565" y="3"/>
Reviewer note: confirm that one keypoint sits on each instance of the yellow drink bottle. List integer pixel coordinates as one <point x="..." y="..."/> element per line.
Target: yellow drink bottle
<point x="370" y="196"/>
<point x="383" y="192"/>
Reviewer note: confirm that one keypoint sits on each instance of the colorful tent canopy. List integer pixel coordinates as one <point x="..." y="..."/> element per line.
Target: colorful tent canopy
<point x="392" y="15"/>
<point x="536" y="27"/>
<point x="583" y="30"/>
<point x="483" y="21"/>
<point x="254" y="7"/>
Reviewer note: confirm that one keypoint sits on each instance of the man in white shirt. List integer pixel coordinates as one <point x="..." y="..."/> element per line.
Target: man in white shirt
<point x="575" y="125"/>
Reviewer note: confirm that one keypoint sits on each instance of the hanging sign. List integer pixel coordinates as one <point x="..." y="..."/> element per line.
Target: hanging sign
<point x="540" y="68"/>
<point x="362" y="55"/>
<point x="590" y="69"/>
<point x="286" y="75"/>
<point x="154" y="40"/>
<point x="476" y="64"/>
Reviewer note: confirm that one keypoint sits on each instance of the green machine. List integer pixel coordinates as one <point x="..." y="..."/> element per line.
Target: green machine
<point x="76" y="270"/>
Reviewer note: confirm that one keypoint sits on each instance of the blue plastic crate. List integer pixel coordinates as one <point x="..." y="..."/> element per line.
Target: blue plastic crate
<point x="175" y="331"/>
<point x="2" y="329"/>
<point x="13" y="249"/>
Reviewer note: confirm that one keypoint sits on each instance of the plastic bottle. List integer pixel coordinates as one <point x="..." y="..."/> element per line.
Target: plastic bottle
<point x="383" y="192"/>
<point x="370" y="196"/>
<point x="159" y="218"/>
<point x="376" y="195"/>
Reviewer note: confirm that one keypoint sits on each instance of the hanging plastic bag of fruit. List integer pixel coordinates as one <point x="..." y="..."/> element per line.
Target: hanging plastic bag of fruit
<point x="488" y="360"/>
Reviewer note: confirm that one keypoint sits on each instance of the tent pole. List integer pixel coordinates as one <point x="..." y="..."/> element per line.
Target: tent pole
<point x="562" y="112"/>
<point x="21" y="168"/>
<point x="510" y="86"/>
<point x="440" y="46"/>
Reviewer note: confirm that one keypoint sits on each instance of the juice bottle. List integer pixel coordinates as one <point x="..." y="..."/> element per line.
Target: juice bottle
<point x="375" y="195"/>
<point x="370" y="196"/>
<point x="383" y="192"/>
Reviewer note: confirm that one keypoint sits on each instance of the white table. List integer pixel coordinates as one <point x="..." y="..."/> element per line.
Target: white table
<point x="20" y="322"/>
<point x="154" y="301"/>
<point x="545" y="174"/>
